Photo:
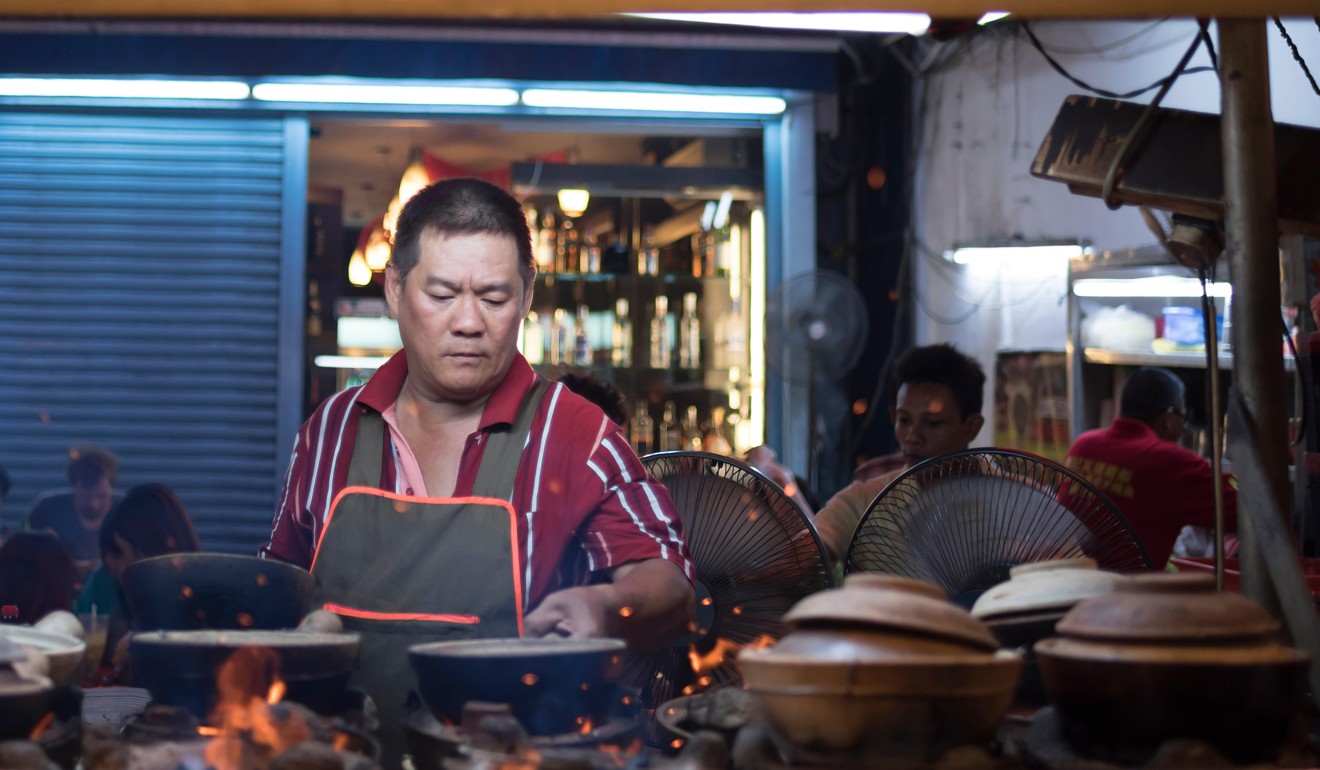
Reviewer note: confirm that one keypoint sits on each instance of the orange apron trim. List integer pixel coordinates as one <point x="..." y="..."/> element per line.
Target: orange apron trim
<point x="339" y="609"/>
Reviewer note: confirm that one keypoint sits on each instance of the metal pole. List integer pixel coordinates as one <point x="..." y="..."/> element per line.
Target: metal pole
<point x="1251" y="222"/>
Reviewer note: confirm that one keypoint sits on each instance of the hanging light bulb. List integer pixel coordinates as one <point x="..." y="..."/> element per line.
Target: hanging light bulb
<point x="414" y="177"/>
<point x="573" y="201"/>
<point x="358" y="272"/>
<point x="391" y="217"/>
<point x="378" y="251"/>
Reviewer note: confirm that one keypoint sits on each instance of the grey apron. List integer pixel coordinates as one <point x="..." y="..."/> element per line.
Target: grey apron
<point x="403" y="570"/>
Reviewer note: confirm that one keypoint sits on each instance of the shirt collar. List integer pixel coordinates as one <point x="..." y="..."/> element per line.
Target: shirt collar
<point x="383" y="389"/>
<point x="1132" y="427"/>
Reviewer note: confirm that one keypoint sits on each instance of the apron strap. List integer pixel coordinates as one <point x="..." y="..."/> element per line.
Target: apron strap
<point x="504" y="446"/>
<point x="364" y="467"/>
<point x="499" y="461"/>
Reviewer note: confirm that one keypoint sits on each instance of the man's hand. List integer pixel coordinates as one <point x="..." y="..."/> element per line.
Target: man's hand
<point x="648" y="604"/>
<point x="577" y="613"/>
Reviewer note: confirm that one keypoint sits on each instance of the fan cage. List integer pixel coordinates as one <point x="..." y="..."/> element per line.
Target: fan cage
<point x="755" y="554"/>
<point x="962" y="520"/>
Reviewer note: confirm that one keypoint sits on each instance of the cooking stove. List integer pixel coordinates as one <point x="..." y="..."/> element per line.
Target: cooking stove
<point x="490" y="736"/>
<point x="59" y="736"/>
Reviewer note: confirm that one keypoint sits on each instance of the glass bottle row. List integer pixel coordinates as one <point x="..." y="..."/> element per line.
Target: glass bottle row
<point x="559" y="246"/>
<point x="670" y="341"/>
<point x="687" y="432"/>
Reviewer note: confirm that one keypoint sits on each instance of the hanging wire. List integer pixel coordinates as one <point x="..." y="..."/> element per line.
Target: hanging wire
<point x="1035" y="42"/>
<point x="1137" y="136"/>
<point x="1278" y="23"/>
<point x="1106" y="47"/>
<point x="1204" y="26"/>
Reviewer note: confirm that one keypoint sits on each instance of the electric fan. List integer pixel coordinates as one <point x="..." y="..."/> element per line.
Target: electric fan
<point x="815" y="327"/>
<point x="755" y="555"/>
<point x="962" y="520"/>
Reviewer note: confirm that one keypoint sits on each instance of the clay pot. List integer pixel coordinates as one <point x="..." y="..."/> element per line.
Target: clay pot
<point x="1044" y="587"/>
<point x="903" y="605"/>
<point x="883" y="667"/>
<point x="1168" y="656"/>
<point x="1024" y="609"/>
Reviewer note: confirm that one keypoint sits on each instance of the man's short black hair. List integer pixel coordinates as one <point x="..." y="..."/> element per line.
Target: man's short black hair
<point x="89" y="463"/>
<point x="943" y="364"/>
<point x="1149" y="392"/>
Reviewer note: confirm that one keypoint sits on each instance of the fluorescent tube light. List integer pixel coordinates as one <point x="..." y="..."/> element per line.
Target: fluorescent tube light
<point x="350" y="362"/>
<point x="991" y="16"/>
<point x="359" y="93"/>
<point x="94" y="88"/>
<point x="1015" y="254"/>
<point x="653" y="101"/>
<point x="842" y="21"/>
<point x="1150" y="286"/>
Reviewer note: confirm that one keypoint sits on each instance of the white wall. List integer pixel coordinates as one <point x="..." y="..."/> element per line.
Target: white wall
<point x="981" y="119"/>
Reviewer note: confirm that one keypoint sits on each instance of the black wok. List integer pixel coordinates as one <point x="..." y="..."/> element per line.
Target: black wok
<point x="551" y="685"/>
<point x="181" y="591"/>
<point x="186" y="668"/>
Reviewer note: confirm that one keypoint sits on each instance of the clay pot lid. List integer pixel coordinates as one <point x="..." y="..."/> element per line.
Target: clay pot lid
<point x="889" y="601"/>
<point x="1163" y="608"/>
<point x="1044" y="586"/>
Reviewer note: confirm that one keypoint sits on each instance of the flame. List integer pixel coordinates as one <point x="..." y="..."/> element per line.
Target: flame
<point x="621" y="756"/>
<point x="723" y="649"/>
<point x="41" y="727"/>
<point x="340" y="743"/>
<point x="760" y="643"/>
<point x="584" y="725"/>
<point x="245" y="729"/>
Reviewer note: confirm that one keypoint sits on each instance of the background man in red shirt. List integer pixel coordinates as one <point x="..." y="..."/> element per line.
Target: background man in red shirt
<point x="1138" y="463"/>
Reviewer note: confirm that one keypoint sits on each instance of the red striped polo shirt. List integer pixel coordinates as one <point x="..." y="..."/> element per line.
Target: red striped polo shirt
<point x="580" y="489"/>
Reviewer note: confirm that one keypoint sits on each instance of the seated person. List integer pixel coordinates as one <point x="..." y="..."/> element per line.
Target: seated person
<point x="37" y="577"/>
<point x="1138" y="463"/>
<point x="75" y="515"/>
<point x="937" y="412"/>
<point x="149" y="521"/>
<point x="603" y="394"/>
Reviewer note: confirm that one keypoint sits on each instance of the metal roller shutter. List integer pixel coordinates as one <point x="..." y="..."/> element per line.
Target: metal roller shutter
<point x="140" y="308"/>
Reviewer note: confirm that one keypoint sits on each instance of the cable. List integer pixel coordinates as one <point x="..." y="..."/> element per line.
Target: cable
<point x="1137" y="136"/>
<point x="1035" y="42"/>
<point x="1085" y="50"/>
<point x="1204" y="26"/>
<point x="1297" y="54"/>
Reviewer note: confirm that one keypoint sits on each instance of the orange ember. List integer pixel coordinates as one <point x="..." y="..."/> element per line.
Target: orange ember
<point x="42" y="726"/>
<point x="584" y="725"/>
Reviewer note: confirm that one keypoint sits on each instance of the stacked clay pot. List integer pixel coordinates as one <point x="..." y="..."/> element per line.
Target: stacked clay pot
<point x="1168" y="656"/>
<point x="884" y="667"/>
<point x="1024" y="609"/>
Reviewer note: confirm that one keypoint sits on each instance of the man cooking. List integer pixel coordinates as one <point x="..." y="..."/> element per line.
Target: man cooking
<point x="441" y="499"/>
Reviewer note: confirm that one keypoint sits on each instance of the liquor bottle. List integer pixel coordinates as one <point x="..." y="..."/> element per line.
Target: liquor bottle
<point x="648" y="256"/>
<point x="621" y="335"/>
<point x="589" y="262"/>
<point x="670" y="437"/>
<point x="546" y="243"/>
<point x="689" y="334"/>
<point x="641" y="429"/>
<point x="715" y="439"/>
<point x="566" y="254"/>
<point x="533" y="339"/>
<point x="662" y="347"/>
<point x="582" y="351"/>
<point x="690" y="430"/>
<point x="559" y="350"/>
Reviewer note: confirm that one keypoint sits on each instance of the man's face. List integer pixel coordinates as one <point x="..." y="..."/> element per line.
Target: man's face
<point x="928" y="423"/>
<point x="93" y="501"/>
<point x="459" y="313"/>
